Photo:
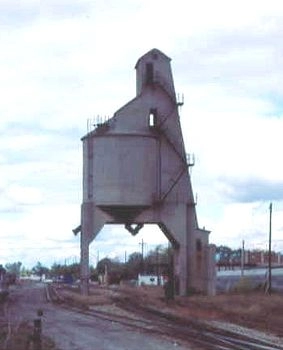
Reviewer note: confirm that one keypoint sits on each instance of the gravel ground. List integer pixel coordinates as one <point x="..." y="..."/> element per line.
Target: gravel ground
<point x="114" y="317"/>
<point x="244" y="330"/>
<point x="73" y="331"/>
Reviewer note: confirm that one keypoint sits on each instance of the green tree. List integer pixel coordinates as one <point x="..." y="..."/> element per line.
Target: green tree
<point x="25" y="272"/>
<point x="135" y="264"/>
<point x="157" y="260"/>
<point x="104" y="264"/>
<point x="72" y="272"/>
<point x="224" y="254"/>
<point x="40" y="270"/>
<point x="115" y="269"/>
<point x="14" y="268"/>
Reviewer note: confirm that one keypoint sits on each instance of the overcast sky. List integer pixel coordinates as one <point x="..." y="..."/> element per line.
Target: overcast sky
<point x="65" y="61"/>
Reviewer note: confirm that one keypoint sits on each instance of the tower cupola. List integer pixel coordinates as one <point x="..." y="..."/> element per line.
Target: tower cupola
<point x="152" y="69"/>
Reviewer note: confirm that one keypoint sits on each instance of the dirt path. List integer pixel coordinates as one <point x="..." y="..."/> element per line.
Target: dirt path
<point x="71" y="330"/>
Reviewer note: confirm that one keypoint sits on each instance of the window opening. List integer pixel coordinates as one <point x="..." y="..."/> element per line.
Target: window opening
<point x="152" y="117"/>
<point x="198" y="245"/>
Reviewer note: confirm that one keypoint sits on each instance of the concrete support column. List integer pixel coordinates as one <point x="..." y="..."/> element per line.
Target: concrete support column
<point x="92" y="222"/>
<point x="84" y="264"/>
<point x="86" y="233"/>
<point x="211" y="270"/>
<point x="191" y="237"/>
<point x="181" y="270"/>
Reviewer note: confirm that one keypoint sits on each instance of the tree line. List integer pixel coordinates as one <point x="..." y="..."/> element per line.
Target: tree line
<point x="158" y="261"/>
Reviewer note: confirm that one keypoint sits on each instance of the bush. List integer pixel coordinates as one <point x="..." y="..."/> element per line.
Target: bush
<point x="244" y="285"/>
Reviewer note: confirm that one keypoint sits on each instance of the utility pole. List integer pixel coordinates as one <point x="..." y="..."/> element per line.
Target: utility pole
<point x="142" y="247"/>
<point x="142" y="252"/>
<point x="157" y="265"/>
<point x="269" y="250"/>
<point x="243" y="258"/>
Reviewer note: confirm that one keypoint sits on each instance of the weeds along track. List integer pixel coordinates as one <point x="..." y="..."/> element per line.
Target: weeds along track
<point x="148" y="320"/>
<point x="202" y="334"/>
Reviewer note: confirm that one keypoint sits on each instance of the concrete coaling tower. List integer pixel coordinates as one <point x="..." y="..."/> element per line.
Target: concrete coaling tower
<point x="135" y="172"/>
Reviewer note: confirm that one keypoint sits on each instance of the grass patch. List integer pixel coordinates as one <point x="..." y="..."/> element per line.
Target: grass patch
<point x="84" y="301"/>
<point x="20" y="338"/>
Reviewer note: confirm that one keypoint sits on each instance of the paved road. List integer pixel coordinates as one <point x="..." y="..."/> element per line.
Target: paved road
<point x="73" y="331"/>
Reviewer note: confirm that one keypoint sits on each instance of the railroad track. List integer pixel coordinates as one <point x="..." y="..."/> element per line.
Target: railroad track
<point x="203" y="334"/>
<point x="192" y="332"/>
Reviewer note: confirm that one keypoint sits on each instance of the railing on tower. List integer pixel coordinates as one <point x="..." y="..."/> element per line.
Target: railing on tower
<point x="97" y="122"/>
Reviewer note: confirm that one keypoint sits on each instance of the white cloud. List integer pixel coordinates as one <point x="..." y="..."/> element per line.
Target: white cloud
<point x="62" y="63"/>
<point x="24" y="195"/>
<point x="114" y="241"/>
<point x="249" y="222"/>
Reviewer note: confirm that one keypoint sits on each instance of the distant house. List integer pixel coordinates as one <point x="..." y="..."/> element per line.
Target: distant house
<point x="150" y="280"/>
